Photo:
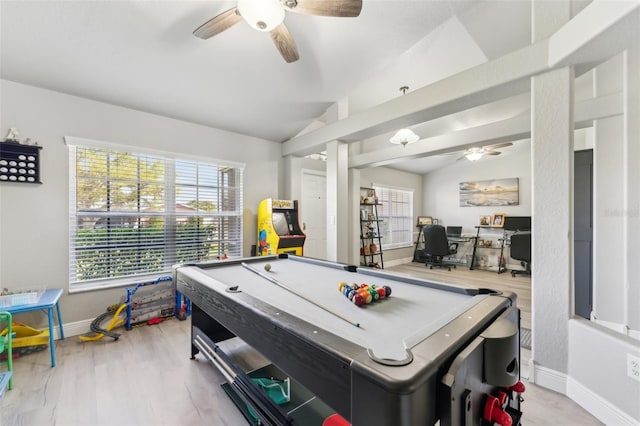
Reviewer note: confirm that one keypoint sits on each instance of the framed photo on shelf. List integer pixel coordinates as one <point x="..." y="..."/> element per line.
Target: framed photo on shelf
<point x="485" y="220"/>
<point x="497" y="220"/>
<point x="425" y="220"/>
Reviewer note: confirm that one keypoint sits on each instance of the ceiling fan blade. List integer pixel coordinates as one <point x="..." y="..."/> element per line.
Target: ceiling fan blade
<point x="492" y="153"/>
<point x="284" y="43"/>
<point x="498" y="145"/>
<point x="218" y="24"/>
<point x="338" y="8"/>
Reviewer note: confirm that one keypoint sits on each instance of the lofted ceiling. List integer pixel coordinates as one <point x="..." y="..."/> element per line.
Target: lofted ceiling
<point x="143" y="55"/>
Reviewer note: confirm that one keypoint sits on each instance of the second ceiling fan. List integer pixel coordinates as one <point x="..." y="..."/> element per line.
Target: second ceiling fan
<point x="268" y="16"/>
<point x="476" y="153"/>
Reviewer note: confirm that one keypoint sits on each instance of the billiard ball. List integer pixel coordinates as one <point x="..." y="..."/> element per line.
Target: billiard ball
<point x="374" y="294"/>
<point x="358" y="300"/>
<point x="381" y="291"/>
<point x="387" y="290"/>
<point x="267" y="267"/>
<point x="365" y="295"/>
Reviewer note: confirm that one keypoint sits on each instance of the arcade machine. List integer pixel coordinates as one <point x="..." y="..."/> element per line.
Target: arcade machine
<point x="278" y="228"/>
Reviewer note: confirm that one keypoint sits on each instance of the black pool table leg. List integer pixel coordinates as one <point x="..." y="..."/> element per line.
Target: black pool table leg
<point x="194" y="349"/>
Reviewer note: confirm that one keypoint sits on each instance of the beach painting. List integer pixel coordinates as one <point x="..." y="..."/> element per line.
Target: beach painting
<point x="496" y="192"/>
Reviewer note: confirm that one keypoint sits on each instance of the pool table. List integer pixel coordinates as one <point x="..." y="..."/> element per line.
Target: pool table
<point x="429" y="352"/>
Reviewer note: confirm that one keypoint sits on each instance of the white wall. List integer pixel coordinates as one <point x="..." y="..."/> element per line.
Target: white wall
<point x="34" y="220"/>
<point x="608" y="207"/>
<point x="598" y="373"/>
<point x="292" y="170"/>
<point x="442" y="198"/>
<point x="598" y="377"/>
<point x="608" y="232"/>
<point x="441" y="193"/>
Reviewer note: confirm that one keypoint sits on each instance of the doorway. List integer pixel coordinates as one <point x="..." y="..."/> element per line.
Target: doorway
<point x="583" y="232"/>
<point x="313" y="213"/>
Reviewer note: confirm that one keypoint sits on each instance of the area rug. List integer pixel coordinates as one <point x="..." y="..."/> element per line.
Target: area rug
<point x="525" y="338"/>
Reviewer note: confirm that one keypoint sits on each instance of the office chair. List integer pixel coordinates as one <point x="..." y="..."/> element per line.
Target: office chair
<point x="521" y="250"/>
<point x="436" y="246"/>
<point x="6" y="338"/>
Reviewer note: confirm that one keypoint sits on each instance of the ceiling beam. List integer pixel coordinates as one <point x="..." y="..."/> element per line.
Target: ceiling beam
<point x="580" y="41"/>
<point x="598" y="30"/>
<point x="488" y="82"/>
<point x="501" y="131"/>
<point x="508" y="130"/>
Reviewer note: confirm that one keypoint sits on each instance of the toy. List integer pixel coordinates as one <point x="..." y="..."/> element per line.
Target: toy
<point x="99" y="332"/>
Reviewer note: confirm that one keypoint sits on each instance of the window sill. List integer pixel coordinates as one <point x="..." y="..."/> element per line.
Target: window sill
<point x="397" y="246"/>
<point x="94" y="285"/>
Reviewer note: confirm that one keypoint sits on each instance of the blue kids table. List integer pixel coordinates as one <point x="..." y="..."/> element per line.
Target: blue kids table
<point x="49" y="299"/>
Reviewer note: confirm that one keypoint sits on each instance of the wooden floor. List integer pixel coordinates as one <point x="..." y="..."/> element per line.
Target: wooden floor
<point x="461" y="275"/>
<point x="147" y="378"/>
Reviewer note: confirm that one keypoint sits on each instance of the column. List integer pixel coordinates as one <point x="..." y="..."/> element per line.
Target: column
<point x="552" y="210"/>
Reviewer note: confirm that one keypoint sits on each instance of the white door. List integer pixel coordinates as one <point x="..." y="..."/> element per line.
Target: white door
<point x="313" y="213"/>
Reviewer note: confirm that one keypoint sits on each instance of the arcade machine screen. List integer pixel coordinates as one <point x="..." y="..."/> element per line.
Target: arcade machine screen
<point x="281" y="223"/>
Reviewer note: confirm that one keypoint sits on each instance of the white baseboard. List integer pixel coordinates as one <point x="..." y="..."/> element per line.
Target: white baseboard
<point x="547" y="378"/>
<point x="599" y="407"/>
<point x="72" y="329"/>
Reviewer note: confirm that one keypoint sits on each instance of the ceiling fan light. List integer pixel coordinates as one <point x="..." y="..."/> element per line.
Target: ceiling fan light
<point x="474" y="156"/>
<point x="263" y="15"/>
<point x="404" y="136"/>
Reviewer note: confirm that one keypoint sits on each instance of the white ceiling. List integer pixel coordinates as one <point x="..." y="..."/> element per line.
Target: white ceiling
<point x="142" y="55"/>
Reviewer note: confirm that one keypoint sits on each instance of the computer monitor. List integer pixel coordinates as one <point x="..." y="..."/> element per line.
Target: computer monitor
<point x="517" y="223"/>
<point x="454" y="231"/>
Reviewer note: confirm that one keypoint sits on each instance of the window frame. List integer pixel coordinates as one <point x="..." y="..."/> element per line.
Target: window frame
<point x="219" y="219"/>
<point x="388" y="219"/>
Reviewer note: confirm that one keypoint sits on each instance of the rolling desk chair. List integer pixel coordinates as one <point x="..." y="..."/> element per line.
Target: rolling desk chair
<point x="521" y="250"/>
<point x="436" y="246"/>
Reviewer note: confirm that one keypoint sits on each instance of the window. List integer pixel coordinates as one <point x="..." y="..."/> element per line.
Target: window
<point x="134" y="215"/>
<point x="396" y="214"/>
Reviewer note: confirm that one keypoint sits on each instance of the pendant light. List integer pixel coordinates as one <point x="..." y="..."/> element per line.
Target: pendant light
<point x="404" y="136"/>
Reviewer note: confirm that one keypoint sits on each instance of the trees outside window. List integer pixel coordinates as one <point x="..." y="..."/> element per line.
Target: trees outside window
<point x="134" y="213"/>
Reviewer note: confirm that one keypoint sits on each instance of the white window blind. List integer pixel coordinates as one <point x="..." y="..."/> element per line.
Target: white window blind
<point x="134" y="214"/>
<point x="396" y="213"/>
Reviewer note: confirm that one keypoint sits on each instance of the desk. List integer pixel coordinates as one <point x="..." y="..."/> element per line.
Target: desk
<point x="48" y="300"/>
<point x="501" y="261"/>
<point x="419" y="356"/>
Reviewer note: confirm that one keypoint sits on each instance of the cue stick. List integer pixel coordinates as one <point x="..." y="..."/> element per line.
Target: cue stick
<point x="291" y="290"/>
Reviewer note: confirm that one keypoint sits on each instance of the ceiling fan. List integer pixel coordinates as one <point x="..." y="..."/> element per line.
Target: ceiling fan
<point x="476" y="153"/>
<point x="268" y="16"/>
